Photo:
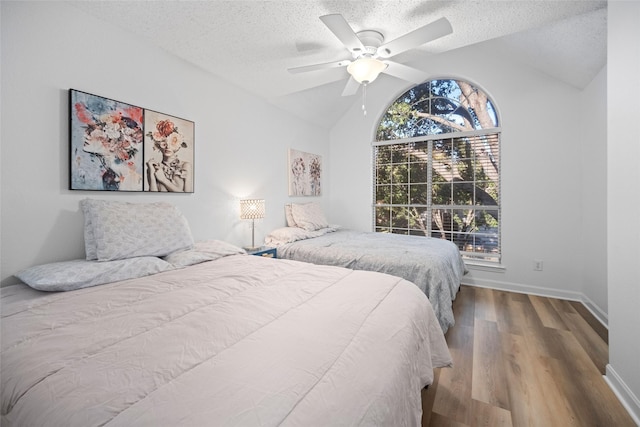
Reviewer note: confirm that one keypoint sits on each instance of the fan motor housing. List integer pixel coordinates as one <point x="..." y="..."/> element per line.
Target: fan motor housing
<point x="371" y="40"/>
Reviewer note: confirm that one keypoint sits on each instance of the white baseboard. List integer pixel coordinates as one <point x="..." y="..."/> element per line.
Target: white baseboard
<point x="597" y="312"/>
<point x="630" y="401"/>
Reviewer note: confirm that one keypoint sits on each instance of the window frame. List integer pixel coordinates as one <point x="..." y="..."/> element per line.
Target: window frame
<point x="490" y="259"/>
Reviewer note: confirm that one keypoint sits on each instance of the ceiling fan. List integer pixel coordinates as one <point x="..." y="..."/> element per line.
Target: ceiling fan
<point x="371" y="55"/>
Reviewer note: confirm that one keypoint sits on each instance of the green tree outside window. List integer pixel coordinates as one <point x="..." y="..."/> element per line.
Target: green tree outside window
<point x="437" y="167"/>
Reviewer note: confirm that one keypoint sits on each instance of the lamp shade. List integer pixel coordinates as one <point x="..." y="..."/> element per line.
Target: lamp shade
<point x="365" y="69"/>
<point x="252" y="209"/>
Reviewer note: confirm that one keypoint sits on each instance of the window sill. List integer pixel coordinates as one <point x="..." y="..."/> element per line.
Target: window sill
<point x="483" y="266"/>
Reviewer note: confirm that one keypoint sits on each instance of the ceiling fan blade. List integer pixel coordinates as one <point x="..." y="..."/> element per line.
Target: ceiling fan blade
<point x="415" y="38"/>
<point x="405" y="72"/>
<point x="306" y="68"/>
<point x="351" y="88"/>
<point x="343" y="31"/>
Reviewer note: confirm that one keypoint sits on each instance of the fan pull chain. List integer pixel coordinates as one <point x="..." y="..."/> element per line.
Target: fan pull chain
<point x="364" y="98"/>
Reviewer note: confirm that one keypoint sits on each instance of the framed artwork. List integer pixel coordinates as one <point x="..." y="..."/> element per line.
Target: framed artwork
<point x="121" y="147"/>
<point x="168" y="153"/>
<point x="106" y="138"/>
<point x="305" y="173"/>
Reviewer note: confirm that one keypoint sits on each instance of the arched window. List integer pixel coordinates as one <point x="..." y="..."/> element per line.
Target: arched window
<point x="437" y="167"/>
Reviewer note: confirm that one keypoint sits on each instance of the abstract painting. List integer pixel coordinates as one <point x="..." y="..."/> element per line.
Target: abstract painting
<point x="106" y="138"/>
<point x="305" y="173"/>
<point x="168" y="153"/>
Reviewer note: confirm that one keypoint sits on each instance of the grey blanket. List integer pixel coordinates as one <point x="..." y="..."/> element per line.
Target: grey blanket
<point x="434" y="265"/>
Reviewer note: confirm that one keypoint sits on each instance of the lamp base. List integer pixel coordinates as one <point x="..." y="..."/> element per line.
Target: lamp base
<point x="251" y="248"/>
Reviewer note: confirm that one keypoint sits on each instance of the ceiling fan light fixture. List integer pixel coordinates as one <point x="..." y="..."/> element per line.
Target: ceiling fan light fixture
<point x="366" y="69"/>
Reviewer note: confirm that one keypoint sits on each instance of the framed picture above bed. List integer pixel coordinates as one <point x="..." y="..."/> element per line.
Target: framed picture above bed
<point x="305" y="173"/>
<point x="168" y="153"/>
<point x="106" y="143"/>
<point x="116" y="146"/>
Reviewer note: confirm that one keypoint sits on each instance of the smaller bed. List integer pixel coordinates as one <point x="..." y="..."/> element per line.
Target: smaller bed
<point x="434" y="265"/>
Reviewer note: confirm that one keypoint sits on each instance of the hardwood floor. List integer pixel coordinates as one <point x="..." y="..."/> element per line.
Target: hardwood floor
<point x="523" y="360"/>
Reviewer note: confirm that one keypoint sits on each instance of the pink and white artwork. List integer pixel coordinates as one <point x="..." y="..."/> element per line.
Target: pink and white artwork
<point x="305" y="173"/>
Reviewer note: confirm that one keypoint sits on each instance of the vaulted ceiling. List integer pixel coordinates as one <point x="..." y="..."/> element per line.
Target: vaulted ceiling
<point x="253" y="43"/>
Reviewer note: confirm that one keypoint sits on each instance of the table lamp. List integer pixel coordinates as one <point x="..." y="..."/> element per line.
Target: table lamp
<point x="252" y="209"/>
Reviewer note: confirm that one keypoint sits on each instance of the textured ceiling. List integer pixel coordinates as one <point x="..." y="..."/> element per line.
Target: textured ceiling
<point x="252" y="43"/>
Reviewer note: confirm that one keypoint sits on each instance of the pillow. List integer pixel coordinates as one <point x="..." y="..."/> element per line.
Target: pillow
<point x="126" y="230"/>
<point x="289" y="216"/>
<point x="281" y="236"/>
<point x="80" y="273"/>
<point x="89" y="239"/>
<point x="201" y="252"/>
<point x="309" y="216"/>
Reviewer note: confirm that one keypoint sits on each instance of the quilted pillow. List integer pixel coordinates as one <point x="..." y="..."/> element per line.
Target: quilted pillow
<point x="281" y="236"/>
<point x="289" y="216"/>
<point x="309" y="216"/>
<point x="123" y="230"/>
<point x="284" y="235"/>
<point x="80" y="273"/>
<point x="87" y="205"/>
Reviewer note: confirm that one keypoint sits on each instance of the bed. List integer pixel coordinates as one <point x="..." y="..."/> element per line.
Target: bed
<point x="434" y="265"/>
<point x="208" y="335"/>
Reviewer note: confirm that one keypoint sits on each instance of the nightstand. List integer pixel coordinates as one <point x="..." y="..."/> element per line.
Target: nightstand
<point x="264" y="251"/>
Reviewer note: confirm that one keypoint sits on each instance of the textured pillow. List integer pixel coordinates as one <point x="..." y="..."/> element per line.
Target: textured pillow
<point x="309" y="216"/>
<point x="201" y="252"/>
<point x="289" y="216"/>
<point x="127" y="230"/>
<point x="89" y="239"/>
<point x="284" y="235"/>
<point x="80" y="273"/>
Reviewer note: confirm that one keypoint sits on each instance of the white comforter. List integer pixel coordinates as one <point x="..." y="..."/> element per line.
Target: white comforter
<point x="434" y="265"/>
<point x="240" y="341"/>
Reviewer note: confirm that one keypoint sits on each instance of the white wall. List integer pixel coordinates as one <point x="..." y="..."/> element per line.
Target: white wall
<point x="241" y="141"/>
<point x="623" y="188"/>
<point x="592" y="126"/>
<point x="542" y="195"/>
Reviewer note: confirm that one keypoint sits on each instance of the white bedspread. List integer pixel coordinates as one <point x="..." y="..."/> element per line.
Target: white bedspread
<point x="239" y="341"/>
<point x="434" y="265"/>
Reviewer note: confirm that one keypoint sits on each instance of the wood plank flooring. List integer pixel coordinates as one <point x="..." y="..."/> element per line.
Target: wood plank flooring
<point x="523" y="360"/>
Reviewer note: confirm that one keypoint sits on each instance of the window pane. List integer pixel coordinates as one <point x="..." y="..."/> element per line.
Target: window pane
<point x="418" y="194"/>
<point x="383" y="175"/>
<point x="383" y="155"/>
<point x="418" y="221"/>
<point x="399" y="217"/>
<point x="400" y="174"/>
<point x="383" y="216"/>
<point x="442" y="220"/>
<point x="400" y="194"/>
<point x="488" y="221"/>
<point x="383" y="194"/>
<point x="463" y="193"/>
<point x="463" y="220"/>
<point x="418" y="172"/>
<point x="486" y="243"/>
<point x="486" y="193"/>
<point x="399" y="154"/>
<point x="441" y="193"/>
<point x="420" y="147"/>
